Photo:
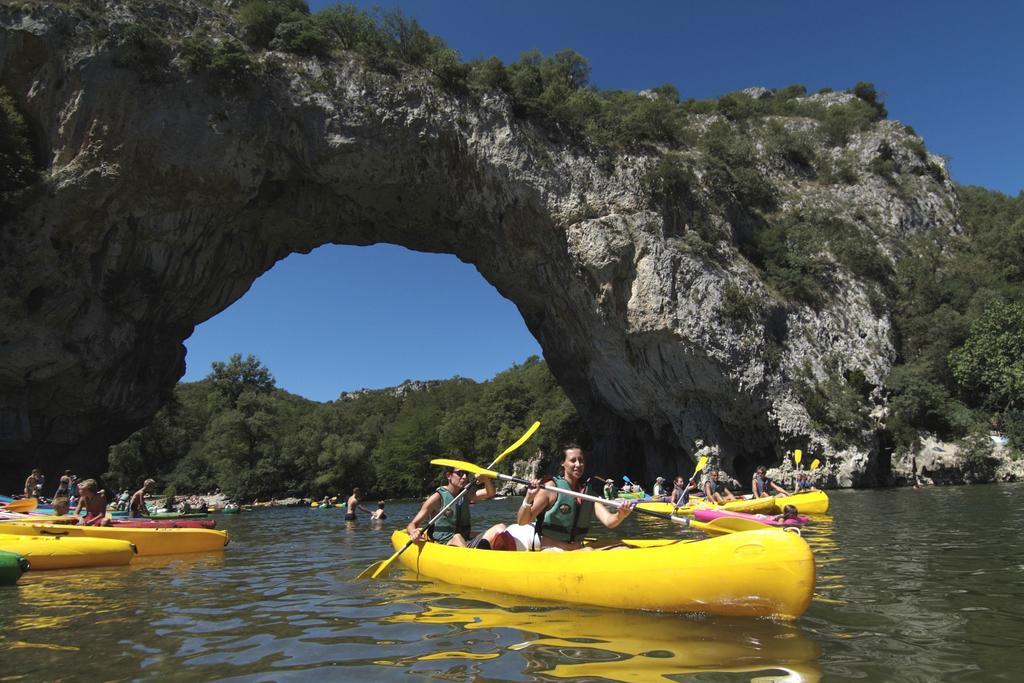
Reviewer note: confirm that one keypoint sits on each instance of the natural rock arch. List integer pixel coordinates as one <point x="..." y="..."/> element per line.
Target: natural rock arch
<point x="163" y="198"/>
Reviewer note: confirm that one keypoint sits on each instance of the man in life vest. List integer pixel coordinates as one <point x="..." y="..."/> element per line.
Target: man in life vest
<point x="715" y="491"/>
<point x="763" y="487"/>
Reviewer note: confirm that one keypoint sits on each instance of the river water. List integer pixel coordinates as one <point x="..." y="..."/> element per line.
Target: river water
<point x="919" y="585"/>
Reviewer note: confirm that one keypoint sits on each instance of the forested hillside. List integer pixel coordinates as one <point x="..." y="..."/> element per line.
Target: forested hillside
<point x="236" y="430"/>
<point x="959" y="317"/>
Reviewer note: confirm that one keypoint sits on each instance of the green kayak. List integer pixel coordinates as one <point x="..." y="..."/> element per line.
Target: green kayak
<point x="12" y="566"/>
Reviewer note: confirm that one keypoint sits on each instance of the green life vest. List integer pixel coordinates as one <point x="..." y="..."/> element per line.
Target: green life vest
<point x="568" y="518"/>
<point x="454" y="520"/>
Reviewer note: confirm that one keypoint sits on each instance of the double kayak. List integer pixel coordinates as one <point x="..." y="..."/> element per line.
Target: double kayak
<point x="808" y="503"/>
<point x="12" y="566"/>
<point x="147" y="541"/>
<point x="748" y="505"/>
<point x="125" y="522"/>
<point x="708" y="514"/>
<point x="751" y="574"/>
<point x="59" y="552"/>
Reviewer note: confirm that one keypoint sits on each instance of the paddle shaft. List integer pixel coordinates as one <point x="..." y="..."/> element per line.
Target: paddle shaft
<point x="584" y="496"/>
<point x="455" y="499"/>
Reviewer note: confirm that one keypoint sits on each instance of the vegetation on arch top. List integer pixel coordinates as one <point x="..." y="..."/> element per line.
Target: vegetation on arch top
<point x="227" y="40"/>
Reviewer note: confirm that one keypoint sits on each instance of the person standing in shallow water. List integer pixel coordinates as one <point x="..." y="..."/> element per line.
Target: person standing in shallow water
<point x="353" y="504"/>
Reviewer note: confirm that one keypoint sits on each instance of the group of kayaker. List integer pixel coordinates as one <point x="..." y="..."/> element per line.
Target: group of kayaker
<point x="549" y="519"/>
<point x="546" y="520"/>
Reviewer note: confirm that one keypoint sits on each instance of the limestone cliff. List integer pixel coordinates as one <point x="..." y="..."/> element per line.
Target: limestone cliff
<point x="164" y="191"/>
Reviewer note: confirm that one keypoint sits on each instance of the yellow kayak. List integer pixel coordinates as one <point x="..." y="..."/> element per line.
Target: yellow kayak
<point x="752" y="574"/>
<point x="748" y="505"/>
<point x="59" y="552"/>
<point x="808" y="503"/>
<point x="147" y="541"/>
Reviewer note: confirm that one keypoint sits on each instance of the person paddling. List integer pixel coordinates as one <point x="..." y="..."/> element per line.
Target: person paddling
<point x="137" y="503"/>
<point x="455" y="526"/>
<point x="762" y="486"/>
<point x="681" y="491"/>
<point x="562" y="520"/>
<point x="715" y="491"/>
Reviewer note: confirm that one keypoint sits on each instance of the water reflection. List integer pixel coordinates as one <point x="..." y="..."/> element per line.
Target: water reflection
<point x="572" y="642"/>
<point x="913" y="586"/>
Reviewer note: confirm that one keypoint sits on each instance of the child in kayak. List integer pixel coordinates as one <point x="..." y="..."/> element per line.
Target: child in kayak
<point x="94" y="502"/>
<point x="803" y="483"/>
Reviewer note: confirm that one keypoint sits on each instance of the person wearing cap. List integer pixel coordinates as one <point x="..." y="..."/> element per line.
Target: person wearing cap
<point x="455" y="525"/>
<point x="659" y="487"/>
<point x="137" y="503"/>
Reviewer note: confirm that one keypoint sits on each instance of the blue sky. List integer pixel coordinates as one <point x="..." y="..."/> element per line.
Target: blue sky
<point x="343" y="318"/>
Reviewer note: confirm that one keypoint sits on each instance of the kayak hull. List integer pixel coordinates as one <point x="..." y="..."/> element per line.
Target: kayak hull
<point x="809" y="503"/>
<point x="750" y="574"/>
<point x="147" y="541"/>
<point x="12" y="566"/>
<point x="59" y="552"/>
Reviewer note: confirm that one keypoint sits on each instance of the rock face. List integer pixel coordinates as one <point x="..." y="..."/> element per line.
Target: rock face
<point x="164" y="194"/>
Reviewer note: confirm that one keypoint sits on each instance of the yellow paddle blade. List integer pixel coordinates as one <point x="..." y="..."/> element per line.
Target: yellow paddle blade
<point x="797" y="456"/>
<point x="465" y="466"/>
<point x="23" y="505"/>
<point x="529" y="432"/>
<point x="815" y="464"/>
<point x="701" y="464"/>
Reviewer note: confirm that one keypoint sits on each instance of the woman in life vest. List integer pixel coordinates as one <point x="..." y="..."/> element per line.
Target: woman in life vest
<point x="454" y="527"/>
<point x="763" y="487"/>
<point x="563" y="520"/>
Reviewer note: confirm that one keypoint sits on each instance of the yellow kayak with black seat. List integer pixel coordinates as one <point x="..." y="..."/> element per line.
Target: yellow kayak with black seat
<point x="147" y="541"/>
<point x="748" y="505"/>
<point x="767" y="573"/>
<point x="61" y="552"/>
